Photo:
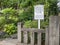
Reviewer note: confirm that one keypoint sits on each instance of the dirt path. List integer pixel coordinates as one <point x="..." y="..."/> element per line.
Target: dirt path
<point x="8" y="42"/>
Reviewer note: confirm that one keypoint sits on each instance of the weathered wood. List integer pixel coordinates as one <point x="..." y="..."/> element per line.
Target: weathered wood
<point x="33" y="30"/>
<point x="25" y="37"/>
<point x="19" y="32"/>
<point x="47" y="36"/>
<point x="39" y="38"/>
<point x="52" y="33"/>
<point x="32" y="38"/>
<point x="54" y="30"/>
<point x="59" y="29"/>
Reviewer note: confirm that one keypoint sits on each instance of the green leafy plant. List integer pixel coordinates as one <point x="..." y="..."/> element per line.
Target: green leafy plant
<point x="10" y="29"/>
<point x="34" y="24"/>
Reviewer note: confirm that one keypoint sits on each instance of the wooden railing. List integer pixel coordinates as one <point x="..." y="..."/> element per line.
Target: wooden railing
<point x="52" y="33"/>
<point x="24" y="33"/>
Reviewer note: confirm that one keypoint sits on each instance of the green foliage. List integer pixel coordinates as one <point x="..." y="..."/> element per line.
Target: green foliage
<point x="8" y="20"/>
<point x="2" y="22"/>
<point x="26" y="14"/>
<point x="15" y="11"/>
<point x="9" y="3"/>
<point x="10" y="15"/>
<point x="10" y="29"/>
<point x="34" y="24"/>
<point x="30" y="24"/>
<point x="26" y="3"/>
<point x="8" y="11"/>
<point x="27" y="24"/>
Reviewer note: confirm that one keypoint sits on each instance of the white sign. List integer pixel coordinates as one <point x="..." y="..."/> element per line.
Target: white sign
<point x="39" y="12"/>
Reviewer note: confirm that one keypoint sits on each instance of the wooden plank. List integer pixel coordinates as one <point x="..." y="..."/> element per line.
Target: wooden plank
<point x="59" y="34"/>
<point x="25" y="37"/>
<point x="19" y="32"/>
<point x="33" y="30"/>
<point x="54" y="30"/>
<point x="47" y="36"/>
<point x="32" y="38"/>
<point x="39" y="38"/>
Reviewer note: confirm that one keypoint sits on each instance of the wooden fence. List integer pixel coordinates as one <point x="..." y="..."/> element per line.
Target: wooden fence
<point x="26" y="36"/>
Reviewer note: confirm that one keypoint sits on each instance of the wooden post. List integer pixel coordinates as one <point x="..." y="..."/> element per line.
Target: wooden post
<point x="54" y="30"/>
<point x="25" y="37"/>
<point x="19" y="32"/>
<point x="32" y="38"/>
<point x="47" y="36"/>
<point x="39" y="38"/>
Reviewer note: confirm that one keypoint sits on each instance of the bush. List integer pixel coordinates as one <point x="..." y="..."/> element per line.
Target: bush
<point x="10" y="29"/>
<point x="34" y="24"/>
<point x="30" y="24"/>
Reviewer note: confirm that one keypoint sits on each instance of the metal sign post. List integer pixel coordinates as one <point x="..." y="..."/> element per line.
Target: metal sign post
<point x="38" y="24"/>
<point x="39" y="13"/>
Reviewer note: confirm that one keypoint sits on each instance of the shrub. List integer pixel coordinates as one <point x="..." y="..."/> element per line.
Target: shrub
<point x="30" y="24"/>
<point x="10" y="29"/>
<point x="34" y="24"/>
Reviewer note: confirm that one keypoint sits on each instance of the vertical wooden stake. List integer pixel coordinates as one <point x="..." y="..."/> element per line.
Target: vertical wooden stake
<point x="32" y="38"/>
<point x="19" y="32"/>
<point x="39" y="38"/>
<point x="47" y="36"/>
<point x="25" y="37"/>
